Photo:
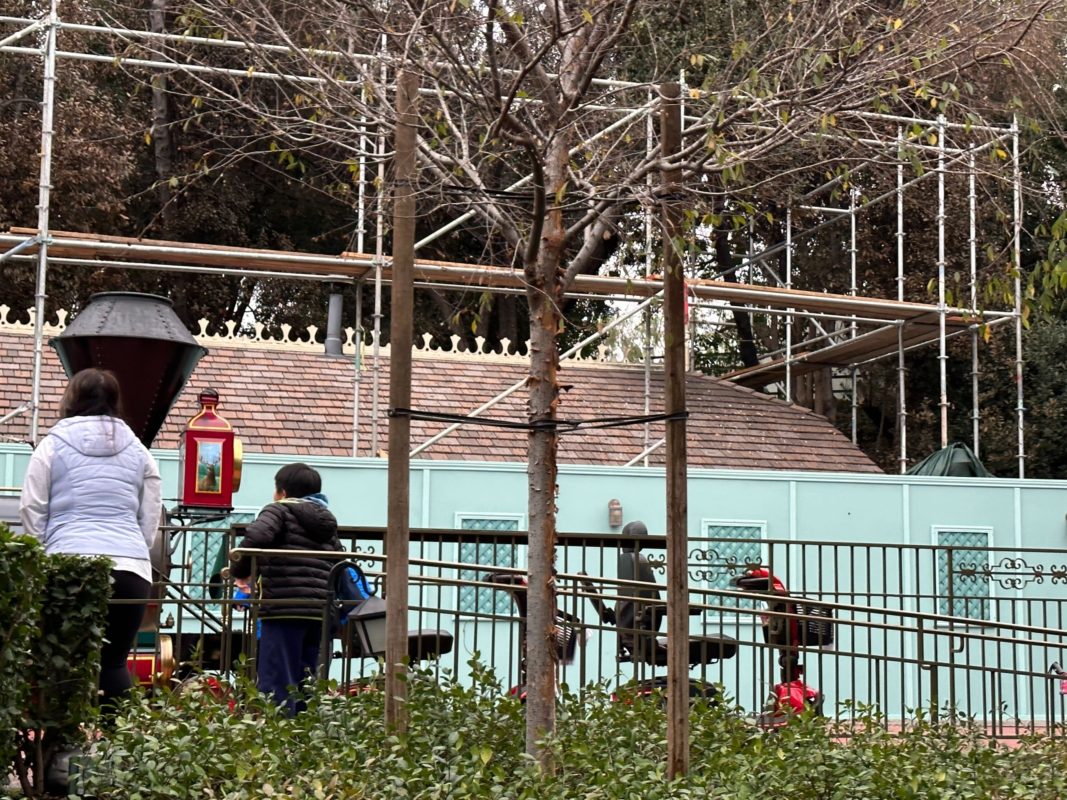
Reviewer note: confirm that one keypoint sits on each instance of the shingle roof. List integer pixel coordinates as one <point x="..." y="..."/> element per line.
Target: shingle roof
<point x="300" y="403"/>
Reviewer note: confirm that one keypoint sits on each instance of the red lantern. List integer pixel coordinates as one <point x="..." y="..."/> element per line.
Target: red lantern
<point x="209" y="459"/>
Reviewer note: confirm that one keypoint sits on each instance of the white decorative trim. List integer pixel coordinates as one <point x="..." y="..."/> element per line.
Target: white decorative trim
<point x="231" y="335"/>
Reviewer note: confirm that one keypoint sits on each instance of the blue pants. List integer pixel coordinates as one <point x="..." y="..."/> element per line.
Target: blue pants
<point x="288" y="655"/>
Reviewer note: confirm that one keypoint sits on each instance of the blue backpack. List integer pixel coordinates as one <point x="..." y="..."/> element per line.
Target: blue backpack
<point x="351" y="590"/>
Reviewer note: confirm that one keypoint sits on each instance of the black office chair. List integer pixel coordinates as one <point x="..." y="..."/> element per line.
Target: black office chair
<point x="638" y="616"/>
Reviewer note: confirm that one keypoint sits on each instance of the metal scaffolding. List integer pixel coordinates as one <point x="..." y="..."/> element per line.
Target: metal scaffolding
<point x="896" y="326"/>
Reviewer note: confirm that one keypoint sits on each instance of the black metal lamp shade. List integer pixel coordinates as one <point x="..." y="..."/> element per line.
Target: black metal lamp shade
<point x="369" y="619"/>
<point x="140" y="339"/>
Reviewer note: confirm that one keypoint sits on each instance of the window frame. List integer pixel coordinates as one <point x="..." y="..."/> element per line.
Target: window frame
<point x="521" y="555"/>
<point x="935" y="535"/>
<point x="728" y="617"/>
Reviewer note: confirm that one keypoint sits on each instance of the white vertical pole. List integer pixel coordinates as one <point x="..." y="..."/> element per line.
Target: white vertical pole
<point x="1017" y="186"/>
<point x="902" y="413"/>
<point x="379" y="259"/>
<point x="973" y="212"/>
<point x="852" y="292"/>
<point x="690" y="327"/>
<point x="647" y="318"/>
<point x="357" y="363"/>
<point x="942" y="345"/>
<point x="43" y="205"/>
<point x="361" y="188"/>
<point x="789" y="318"/>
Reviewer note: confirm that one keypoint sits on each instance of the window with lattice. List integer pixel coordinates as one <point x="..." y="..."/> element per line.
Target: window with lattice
<point x="730" y="549"/>
<point x="480" y="599"/>
<point x="963" y="588"/>
<point x="203" y="550"/>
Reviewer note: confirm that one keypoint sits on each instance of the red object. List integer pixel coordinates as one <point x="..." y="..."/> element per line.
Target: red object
<point x="777" y="587"/>
<point x="209" y="459"/>
<point x="794" y="696"/>
<point x="142" y="667"/>
<point x="152" y="667"/>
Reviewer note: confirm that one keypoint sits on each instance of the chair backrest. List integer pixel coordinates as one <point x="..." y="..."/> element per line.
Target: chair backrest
<point x="638" y="622"/>
<point x="514" y="585"/>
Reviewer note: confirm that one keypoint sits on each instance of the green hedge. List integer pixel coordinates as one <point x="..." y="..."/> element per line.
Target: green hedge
<point x="20" y="575"/>
<point x="52" y="612"/>
<point x="466" y="743"/>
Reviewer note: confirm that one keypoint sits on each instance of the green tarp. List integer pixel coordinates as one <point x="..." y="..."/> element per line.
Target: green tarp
<point x="957" y="460"/>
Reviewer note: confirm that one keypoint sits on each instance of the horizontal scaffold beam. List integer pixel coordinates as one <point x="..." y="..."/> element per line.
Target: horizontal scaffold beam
<point x="865" y="347"/>
<point x="354" y="266"/>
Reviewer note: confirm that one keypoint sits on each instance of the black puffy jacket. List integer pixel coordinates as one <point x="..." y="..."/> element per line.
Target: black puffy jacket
<point x="293" y="586"/>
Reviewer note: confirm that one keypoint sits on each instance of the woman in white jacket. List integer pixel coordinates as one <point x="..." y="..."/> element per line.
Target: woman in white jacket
<point x="92" y="489"/>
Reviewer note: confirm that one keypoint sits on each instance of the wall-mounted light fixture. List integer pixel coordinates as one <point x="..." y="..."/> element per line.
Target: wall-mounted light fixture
<point x="614" y="514"/>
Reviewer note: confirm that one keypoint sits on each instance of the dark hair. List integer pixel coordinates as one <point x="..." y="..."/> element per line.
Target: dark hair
<point x="92" y="393"/>
<point x="298" y="480"/>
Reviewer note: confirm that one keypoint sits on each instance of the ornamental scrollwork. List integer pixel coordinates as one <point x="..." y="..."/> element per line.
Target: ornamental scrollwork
<point x="706" y="564"/>
<point x="366" y="562"/>
<point x="1013" y="573"/>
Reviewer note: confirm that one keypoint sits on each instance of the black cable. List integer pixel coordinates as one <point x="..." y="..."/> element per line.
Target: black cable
<point x="538" y="425"/>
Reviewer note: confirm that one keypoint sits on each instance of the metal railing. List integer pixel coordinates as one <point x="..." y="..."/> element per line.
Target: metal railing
<point x="962" y="630"/>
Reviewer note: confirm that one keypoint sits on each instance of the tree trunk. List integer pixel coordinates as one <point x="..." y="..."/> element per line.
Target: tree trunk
<point x="825" y="403"/>
<point x="545" y="295"/>
<point x="507" y="319"/>
<point x="674" y="391"/>
<point x="162" y="149"/>
<point x="745" y="340"/>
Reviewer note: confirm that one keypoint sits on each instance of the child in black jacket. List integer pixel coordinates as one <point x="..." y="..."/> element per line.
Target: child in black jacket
<point x="293" y="589"/>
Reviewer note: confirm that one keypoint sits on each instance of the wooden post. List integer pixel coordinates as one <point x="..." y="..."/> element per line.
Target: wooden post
<point x="400" y="335"/>
<point x="677" y="511"/>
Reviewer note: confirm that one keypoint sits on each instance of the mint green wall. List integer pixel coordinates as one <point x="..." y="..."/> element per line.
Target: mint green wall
<point x="794" y="505"/>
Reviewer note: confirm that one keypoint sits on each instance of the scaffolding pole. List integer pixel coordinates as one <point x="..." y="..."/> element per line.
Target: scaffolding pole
<point x="650" y="135"/>
<point x="644" y="454"/>
<point x="357" y="363"/>
<point x="852" y="292"/>
<point x="902" y="410"/>
<point x="774" y="249"/>
<point x="1017" y="244"/>
<point x="379" y="263"/>
<point x="972" y="197"/>
<point x="18" y="248"/>
<point x="789" y="318"/>
<point x="942" y="346"/>
<point x="34" y="25"/>
<point x="43" y="207"/>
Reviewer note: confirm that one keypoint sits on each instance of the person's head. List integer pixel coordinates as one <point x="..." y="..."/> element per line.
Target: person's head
<point x="92" y="393"/>
<point x="296" y="480"/>
<point x="634" y="528"/>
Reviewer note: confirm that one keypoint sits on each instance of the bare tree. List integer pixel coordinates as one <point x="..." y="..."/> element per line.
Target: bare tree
<point x="523" y="130"/>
